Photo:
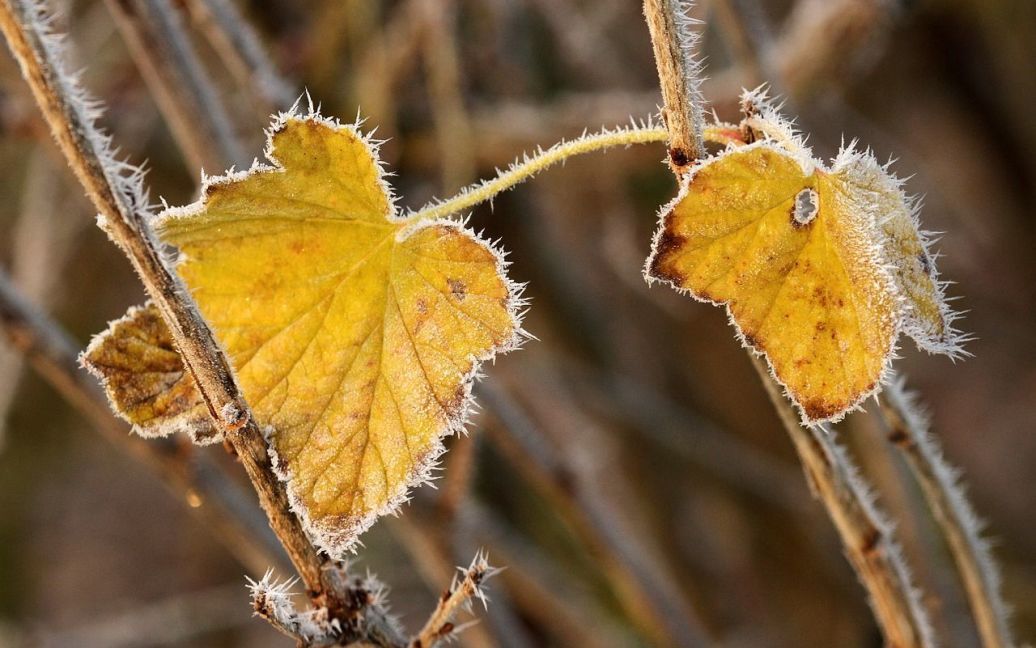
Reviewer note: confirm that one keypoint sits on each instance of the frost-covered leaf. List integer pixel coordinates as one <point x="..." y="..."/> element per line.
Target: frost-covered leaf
<point x="145" y="379"/>
<point x="820" y="267"/>
<point x="355" y="334"/>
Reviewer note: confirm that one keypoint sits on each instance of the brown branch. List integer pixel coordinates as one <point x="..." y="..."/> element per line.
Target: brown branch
<point x="432" y="560"/>
<point x="440" y="626"/>
<point x="209" y="494"/>
<point x="654" y="603"/>
<point x="672" y="41"/>
<point x="117" y="193"/>
<point x="176" y="78"/>
<point x="908" y="433"/>
<point x="866" y="535"/>
<point x="232" y="36"/>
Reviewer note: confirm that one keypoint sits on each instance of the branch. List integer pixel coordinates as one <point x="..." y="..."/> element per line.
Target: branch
<point x="440" y="626"/>
<point x="176" y="78"/>
<point x="232" y="36"/>
<point x="117" y="192"/>
<point x="678" y="76"/>
<point x="940" y="482"/>
<point x="651" y="599"/>
<point x="866" y="535"/>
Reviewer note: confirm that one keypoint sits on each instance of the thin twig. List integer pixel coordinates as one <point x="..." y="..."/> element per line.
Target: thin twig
<point x="237" y="43"/>
<point x="452" y="122"/>
<point x="651" y="599"/>
<point x="117" y="192"/>
<point x="431" y="558"/>
<point x="678" y="75"/>
<point x="188" y="100"/>
<point x="866" y="535"/>
<point x="539" y="586"/>
<point x="440" y="626"/>
<point x="940" y="482"/>
<point x="197" y="482"/>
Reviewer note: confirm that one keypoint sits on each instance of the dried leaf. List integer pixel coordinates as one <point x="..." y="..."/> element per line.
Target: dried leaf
<point x="145" y="379"/>
<point x="820" y="268"/>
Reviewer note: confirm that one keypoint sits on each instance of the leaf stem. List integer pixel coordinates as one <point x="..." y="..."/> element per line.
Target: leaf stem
<point x="523" y="169"/>
<point x="908" y="432"/>
<point x="866" y="535"/>
<point x="529" y="165"/>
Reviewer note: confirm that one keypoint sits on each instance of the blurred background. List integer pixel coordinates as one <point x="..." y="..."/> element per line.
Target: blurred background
<point x="626" y="466"/>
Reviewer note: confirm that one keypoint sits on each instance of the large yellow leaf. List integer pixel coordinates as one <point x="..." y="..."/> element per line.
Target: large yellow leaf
<point x="355" y="335"/>
<point x="820" y="268"/>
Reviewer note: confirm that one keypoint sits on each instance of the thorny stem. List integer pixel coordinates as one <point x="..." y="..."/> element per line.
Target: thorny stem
<point x="439" y="626"/>
<point x="123" y="214"/>
<point x="210" y="495"/>
<point x="424" y="542"/>
<point x="672" y="41"/>
<point x="866" y="535"/>
<point x="908" y="432"/>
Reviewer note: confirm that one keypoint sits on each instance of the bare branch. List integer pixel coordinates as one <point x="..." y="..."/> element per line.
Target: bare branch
<point x="188" y="100"/>
<point x="866" y="535"/>
<point x="440" y="626"/>
<point x="908" y="432"/>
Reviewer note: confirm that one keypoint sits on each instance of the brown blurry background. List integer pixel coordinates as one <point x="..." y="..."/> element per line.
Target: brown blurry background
<point x="631" y="437"/>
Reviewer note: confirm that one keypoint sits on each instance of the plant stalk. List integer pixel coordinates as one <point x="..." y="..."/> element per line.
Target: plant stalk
<point x="908" y="433"/>
<point x="672" y="41"/>
<point x="866" y="535"/>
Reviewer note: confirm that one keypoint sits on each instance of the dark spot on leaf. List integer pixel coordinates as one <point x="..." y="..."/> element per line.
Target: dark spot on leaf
<point x="457" y="288"/>
<point x="817" y="410"/>
<point x="668" y="243"/>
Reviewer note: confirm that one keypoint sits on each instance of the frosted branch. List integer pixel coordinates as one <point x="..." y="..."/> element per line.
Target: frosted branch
<point x="464" y="588"/>
<point x="962" y="529"/>
<point x="117" y="192"/>
<point x="865" y="532"/>
<point x="679" y="75"/>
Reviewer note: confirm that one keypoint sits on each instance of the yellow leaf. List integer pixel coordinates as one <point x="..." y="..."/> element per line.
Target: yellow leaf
<point x="820" y="268"/>
<point x="355" y="334"/>
<point x="145" y="379"/>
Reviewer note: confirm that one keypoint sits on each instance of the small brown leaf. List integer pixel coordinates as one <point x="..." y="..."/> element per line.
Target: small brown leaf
<point x="145" y="378"/>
